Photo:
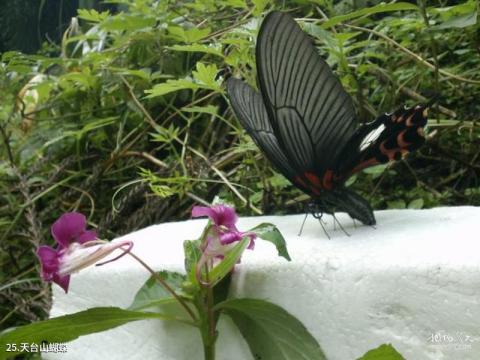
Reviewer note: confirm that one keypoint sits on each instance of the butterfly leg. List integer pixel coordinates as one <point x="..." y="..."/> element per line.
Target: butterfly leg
<point x="323" y="226"/>
<point x="303" y="223"/>
<point x="319" y="215"/>
<point x="340" y="225"/>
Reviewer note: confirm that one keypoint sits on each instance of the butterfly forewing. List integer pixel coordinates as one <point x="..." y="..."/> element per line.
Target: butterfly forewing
<point x="311" y="114"/>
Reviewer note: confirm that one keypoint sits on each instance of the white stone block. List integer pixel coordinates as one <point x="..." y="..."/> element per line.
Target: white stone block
<point x="416" y="275"/>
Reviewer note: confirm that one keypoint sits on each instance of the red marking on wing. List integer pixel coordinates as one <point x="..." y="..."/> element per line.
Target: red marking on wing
<point x="390" y="153"/>
<point x="308" y="187"/>
<point x="401" y="141"/>
<point x="312" y="178"/>
<point x="299" y="181"/>
<point x="409" y="120"/>
<point x="403" y="133"/>
<point x="327" y="180"/>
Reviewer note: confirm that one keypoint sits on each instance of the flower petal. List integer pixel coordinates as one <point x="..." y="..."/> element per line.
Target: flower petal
<point x="62" y="281"/>
<point x="199" y="211"/>
<point x="230" y="237"/>
<point x="221" y="215"/>
<point x="228" y="216"/>
<point x="68" y="228"/>
<point x="86" y="236"/>
<point x="49" y="261"/>
<point x="252" y="237"/>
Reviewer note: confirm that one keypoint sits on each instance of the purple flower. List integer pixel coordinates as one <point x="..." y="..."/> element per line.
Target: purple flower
<point x="224" y="232"/>
<point x="77" y="248"/>
<point x="221" y="215"/>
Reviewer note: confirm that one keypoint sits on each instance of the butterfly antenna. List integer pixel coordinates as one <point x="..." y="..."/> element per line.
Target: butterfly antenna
<point x="303" y="223"/>
<point x="341" y="227"/>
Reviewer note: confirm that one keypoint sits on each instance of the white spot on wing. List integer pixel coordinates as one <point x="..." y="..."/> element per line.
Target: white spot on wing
<point x="371" y="137"/>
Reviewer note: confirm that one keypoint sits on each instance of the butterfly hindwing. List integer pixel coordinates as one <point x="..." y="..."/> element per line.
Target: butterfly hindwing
<point x="250" y="110"/>
<point x="390" y="137"/>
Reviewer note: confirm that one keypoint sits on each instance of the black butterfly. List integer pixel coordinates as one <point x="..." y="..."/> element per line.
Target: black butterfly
<point x="305" y="123"/>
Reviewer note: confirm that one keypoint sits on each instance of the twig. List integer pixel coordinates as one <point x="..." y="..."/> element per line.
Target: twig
<point x="147" y="156"/>
<point x="6" y="141"/>
<point x="226" y="181"/>
<point x="138" y="103"/>
<point x="420" y="182"/>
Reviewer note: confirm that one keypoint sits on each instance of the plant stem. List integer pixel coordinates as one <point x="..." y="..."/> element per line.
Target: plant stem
<point x="208" y="321"/>
<point x="165" y="285"/>
<point x="208" y="345"/>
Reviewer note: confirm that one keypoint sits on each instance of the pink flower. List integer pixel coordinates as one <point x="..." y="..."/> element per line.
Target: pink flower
<point x="225" y="231"/>
<point x="221" y="215"/>
<point x="77" y="248"/>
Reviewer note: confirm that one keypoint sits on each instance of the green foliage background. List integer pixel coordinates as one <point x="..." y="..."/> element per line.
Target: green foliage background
<point x="127" y="120"/>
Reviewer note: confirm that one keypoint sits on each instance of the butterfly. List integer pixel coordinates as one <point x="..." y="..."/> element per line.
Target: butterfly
<point x="304" y="121"/>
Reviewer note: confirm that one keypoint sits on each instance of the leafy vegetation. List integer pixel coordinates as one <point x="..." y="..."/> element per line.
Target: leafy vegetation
<point x="126" y="118"/>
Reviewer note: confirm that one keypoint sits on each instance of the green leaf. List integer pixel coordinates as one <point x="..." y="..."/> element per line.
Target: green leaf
<point x="229" y="261"/>
<point x="204" y="79"/>
<point x="162" y="191"/>
<point x="70" y="327"/>
<point x="383" y="352"/>
<point x="165" y="135"/>
<point x="198" y="48"/>
<point x="92" y="15"/>
<point x="377" y="170"/>
<point x="191" y="248"/>
<point x="128" y="22"/>
<point x="416" y="204"/>
<point x="271" y="332"/>
<point x="171" y="86"/>
<point x="259" y="6"/>
<point x="458" y="22"/>
<point x="206" y="75"/>
<point x="270" y="232"/>
<point x="237" y="3"/>
<point x="380" y="8"/>
<point x="396" y="204"/>
<point x="351" y="180"/>
<point x="278" y="181"/>
<point x="143" y="73"/>
<point x="189" y="36"/>
<point x="208" y="109"/>
<point x="153" y="294"/>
